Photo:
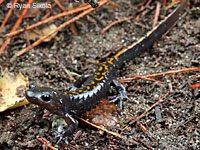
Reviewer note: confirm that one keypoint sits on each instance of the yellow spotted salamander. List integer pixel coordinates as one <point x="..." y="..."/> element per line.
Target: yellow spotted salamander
<point x="90" y="89"/>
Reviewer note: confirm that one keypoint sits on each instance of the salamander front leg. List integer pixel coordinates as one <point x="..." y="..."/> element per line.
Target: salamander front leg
<point x="72" y="126"/>
<point x="122" y="93"/>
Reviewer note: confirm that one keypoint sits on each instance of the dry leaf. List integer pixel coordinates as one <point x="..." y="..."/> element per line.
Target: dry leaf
<point x="38" y="33"/>
<point x="12" y="91"/>
<point x="32" y="12"/>
<point x="104" y="114"/>
<point x="1" y="41"/>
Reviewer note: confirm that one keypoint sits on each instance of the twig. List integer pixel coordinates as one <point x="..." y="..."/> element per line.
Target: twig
<point x="1" y="1"/>
<point x="59" y="5"/>
<point x="142" y="25"/>
<point x="44" y="141"/>
<point x="58" y="29"/>
<point x="142" y="77"/>
<point x="114" y="23"/>
<point x="15" y="27"/>
<point x="195" y="86"/>
<point x="161" y="74"/>
<point x="107" y="131"/>
<point x="8" y="15"/>
<point x="198" y="77"/>
<point x="133" y="119"/>
<point x="147" y="146"/>
<point x="172" y="5"/>
<point x="76" y="10"/>
<point x="156" y="14"/>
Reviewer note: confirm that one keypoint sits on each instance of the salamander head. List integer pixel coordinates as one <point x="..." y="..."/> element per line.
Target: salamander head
<point x="47" y="98"/>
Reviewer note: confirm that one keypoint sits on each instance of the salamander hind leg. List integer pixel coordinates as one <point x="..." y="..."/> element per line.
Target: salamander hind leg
<point x="122" y="93"/>
<point x="80" y="81"/>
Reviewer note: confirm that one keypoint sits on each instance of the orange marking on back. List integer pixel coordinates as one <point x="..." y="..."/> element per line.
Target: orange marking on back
<point x="140" y="39"/>
<point x="148" y="33"/>
<point x="88" y="87"/>
<point x="105" y="66"/>
<point x="110" y="62"/>
<point x="101" y="68"/>
<point x="99" y="79"/>
<point x="65" y="93"/>
<point x="94" y="87"/>
<point x="70" y="94"/>
<point x="98" y="84"/>
<point x="85" y="91"/>
<point x="104" y="73"/>
<point x="74" y="92"/>
<point x="92" y="82"/>
<point x="119" y="53"/>
<point x="80" y="90"/>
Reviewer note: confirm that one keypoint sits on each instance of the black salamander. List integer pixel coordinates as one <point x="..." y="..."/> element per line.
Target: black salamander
<point x="90" y="89"/>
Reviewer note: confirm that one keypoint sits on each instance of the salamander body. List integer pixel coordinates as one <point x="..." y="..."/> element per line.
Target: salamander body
<point x="90" y="89"/>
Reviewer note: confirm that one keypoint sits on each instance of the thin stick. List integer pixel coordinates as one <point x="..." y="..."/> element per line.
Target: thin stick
<point x="15" y="26"/>
<point x="58" y="29"/>
<point x="8" y="15"/>
<point x="133" y="119"/>
<point x="114" y="23"/>
<point x="44" y="141"/>
<point x="161" y="74"/>
<point x="155" y="21"/>
<point x="107" y="131"/>
<point x="76" y="10"/>
<point x="59" y="5"/>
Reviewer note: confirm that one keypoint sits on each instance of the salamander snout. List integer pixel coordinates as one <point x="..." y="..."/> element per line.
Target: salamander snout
<point x="29" y="94"/>
<point x="38" y="95"/>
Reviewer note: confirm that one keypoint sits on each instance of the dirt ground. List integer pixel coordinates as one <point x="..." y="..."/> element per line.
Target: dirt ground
<point x="177" y="127"/>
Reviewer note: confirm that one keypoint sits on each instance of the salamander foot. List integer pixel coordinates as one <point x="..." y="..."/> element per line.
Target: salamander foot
<point x="122" y="93"/>
<point x="68" y="132"/>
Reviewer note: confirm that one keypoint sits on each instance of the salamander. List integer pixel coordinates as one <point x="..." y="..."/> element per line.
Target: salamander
<point x="90" y="89"/>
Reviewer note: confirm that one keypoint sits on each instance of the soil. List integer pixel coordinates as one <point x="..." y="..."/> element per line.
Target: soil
<point x="173" y="124"/>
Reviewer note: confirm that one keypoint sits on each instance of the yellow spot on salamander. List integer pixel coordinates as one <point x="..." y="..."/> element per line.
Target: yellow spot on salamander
<point x="140" y="39"/>
<point x="119" y="53"/>
<point x="80" y="90"/>
<point x="74" y="92"/>
<point x="88" y="87"/>
<point x="70" y="94"/>
<point x="98" y="84"/>
<point x="133" y="44"/>
<point x="85" y="91"/>
<point x="148" y="33"/>
<point x="98" y="73"/>
<point x="99" y="79"/>
<point x="101" y="68"/>
<point x="110" y="62"/>
<point x="65" y="93"/>
<point x="104" y="73"/>
<point x="105" y="66"/>
<point x="92" y="82"/>
<point x="94" y="87"/>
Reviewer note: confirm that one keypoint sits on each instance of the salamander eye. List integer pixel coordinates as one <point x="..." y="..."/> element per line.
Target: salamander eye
<point x="46" y="97"/>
